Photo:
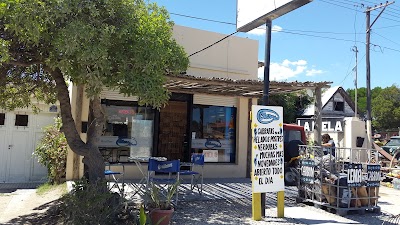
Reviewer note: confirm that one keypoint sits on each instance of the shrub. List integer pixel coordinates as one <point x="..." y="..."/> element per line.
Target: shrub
<point x="52" y="152"/>
<point x="91" y="203"/>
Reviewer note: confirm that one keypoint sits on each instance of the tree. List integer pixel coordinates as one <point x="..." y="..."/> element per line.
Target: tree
<point x="386" y="108"/>
<point x="362" y="98"/>
<point x="118" y="44"/>
<point x="293" y="104"/>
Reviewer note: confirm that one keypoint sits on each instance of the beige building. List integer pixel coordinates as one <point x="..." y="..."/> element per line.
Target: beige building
<point x="208" y="111"/>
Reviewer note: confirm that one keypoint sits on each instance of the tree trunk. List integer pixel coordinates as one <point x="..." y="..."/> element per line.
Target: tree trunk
<point x="90" y="151"/>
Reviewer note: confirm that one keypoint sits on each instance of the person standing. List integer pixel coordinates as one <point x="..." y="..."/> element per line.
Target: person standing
<point x="328" y="145"/>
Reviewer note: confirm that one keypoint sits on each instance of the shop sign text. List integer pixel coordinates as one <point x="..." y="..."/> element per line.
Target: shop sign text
<point x="267" y="149"/>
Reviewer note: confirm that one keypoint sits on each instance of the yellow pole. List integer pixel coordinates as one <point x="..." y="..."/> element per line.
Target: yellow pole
<point x="256" y="206"/>
<point x="281" y="204"/>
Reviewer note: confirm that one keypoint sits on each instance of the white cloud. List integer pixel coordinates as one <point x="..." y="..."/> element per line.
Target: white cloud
<point x="276" y="28"/>
<point x="261" y="30"/>
<point x="285" y="70"/>
<point x="313" y="72"/>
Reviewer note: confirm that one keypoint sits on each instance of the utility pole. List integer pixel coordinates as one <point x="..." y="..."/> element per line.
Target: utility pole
<point x="368" y="70"/>
<point x="354" y="49"/>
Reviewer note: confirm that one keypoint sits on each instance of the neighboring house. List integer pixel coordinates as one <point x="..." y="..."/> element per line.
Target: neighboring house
<point x="20" y="131"/>
<point x="208" y="111"/>
<point x="336" y="105"/>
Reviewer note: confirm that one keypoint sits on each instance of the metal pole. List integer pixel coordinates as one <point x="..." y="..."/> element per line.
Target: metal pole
<point x="355" y="81"/>
<point x="368" y="33"/>
<point x="267" y="60"/>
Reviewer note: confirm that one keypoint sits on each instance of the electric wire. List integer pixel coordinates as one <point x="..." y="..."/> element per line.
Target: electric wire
<point x="385" y="38"/>
<point x="340" y="4"/>
<point x="295" y="32"/>
<point x="348" y="73"/>
<point x="213" y="44"/>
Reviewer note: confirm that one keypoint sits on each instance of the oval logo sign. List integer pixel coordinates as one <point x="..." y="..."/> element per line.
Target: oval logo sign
<point x="266" y="116"/>
<point x="126" y="142"/>
<point x="212" y="143"/>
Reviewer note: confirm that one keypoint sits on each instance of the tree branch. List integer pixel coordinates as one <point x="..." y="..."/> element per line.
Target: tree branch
<point x="74" y="140"/>
<point x="24" y="64"/>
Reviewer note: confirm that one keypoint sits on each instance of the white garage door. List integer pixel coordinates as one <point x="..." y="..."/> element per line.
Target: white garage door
<point x="19" y="133"/>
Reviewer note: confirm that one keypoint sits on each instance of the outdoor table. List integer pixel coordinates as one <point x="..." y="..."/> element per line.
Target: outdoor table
<point x="138" y="160"/>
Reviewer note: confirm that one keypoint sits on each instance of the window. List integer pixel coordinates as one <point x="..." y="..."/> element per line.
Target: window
<point x="214" y="133"/>
<point x="339" y="106"/>
<point x="21" y="120"/>
<point x="2" y="118"/>
<point x="290" y="135"/>
<point x="128" y="130"/>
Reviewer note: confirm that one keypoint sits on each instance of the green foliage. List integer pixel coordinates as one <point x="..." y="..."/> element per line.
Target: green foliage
<point x="121" y="44"/>
<point x="89" y="204"/>
<point x="385" y="106"/>
<point x="142" y="216"/>
<point x="52" y="152"/>
<point x="157" y="199"/>
<point x="46" y="187"/>
<point x="293" y="104"/>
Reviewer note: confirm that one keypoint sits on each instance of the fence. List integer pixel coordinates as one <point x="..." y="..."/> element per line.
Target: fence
<point x="340" y="179"/>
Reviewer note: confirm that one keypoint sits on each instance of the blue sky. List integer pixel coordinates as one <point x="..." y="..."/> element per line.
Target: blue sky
<point x="312" y="43"/>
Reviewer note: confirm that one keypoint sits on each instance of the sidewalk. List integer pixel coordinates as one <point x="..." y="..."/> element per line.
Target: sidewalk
<point x="224" y="201"/>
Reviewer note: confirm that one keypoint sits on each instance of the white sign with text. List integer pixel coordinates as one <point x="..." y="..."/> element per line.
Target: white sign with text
<point x="267" y="149"/>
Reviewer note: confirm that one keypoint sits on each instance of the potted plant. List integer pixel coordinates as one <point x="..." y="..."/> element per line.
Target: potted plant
<point x="159" y="203"/>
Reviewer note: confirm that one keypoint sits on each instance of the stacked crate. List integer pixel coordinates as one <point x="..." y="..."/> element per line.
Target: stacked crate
<point x="341" y="183"/>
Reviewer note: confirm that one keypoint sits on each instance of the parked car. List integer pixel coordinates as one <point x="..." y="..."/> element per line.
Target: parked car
<point x="392" y="145"/>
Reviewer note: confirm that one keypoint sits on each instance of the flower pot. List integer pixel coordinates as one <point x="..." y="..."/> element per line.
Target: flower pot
<point x="161" y="216"/>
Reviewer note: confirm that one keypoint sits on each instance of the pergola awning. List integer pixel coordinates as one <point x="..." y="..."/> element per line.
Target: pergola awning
<point x="223" y="86"/>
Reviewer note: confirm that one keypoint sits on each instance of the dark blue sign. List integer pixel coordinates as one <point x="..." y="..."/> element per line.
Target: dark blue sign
<point x="266" y="116"/>
<point x="213" y="143"/>
<point x="374" y="175"/>
<point x="307" y="171"/>
<point x="124" y="142"/>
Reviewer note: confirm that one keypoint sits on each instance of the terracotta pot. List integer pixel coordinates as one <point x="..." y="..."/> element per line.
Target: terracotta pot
<point x="161" y="216"/>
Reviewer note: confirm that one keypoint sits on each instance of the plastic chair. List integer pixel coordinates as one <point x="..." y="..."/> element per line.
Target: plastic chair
<point x="157" y="171"/>
<point x="196" y="167"/>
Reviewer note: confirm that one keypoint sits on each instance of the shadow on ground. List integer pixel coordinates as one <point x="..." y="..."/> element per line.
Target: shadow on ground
<point x="50" y="216"/>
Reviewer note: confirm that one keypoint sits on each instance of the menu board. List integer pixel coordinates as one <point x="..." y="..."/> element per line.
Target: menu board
<point x="267" y="149"/>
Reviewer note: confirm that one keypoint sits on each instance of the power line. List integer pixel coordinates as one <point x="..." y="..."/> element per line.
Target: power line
<point x="386" y="38"/>
<point x="342" y="5"/>
<point x="387" y="27"/>
<point x="348" y="73"/>
<point x="229" y="23"/>
<point x="283" y="31"/>
<point x="199" y="18"/>
<point x="213" y="44"/>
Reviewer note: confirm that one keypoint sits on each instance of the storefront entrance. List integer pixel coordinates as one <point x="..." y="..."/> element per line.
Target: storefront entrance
<point x="173" y="138"/>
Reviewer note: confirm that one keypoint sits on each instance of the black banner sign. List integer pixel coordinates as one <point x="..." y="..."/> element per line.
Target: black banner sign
<point x="373" y="175"/>
<point x="307" y="171"/>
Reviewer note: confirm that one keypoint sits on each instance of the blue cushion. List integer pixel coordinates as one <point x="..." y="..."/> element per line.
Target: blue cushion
<point x="110" y="172"/>
<point x="188" y="172"/>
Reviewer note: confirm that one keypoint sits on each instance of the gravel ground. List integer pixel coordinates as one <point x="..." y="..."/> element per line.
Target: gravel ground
<point x="220" y="203"/>
<point x="223" y="212"/>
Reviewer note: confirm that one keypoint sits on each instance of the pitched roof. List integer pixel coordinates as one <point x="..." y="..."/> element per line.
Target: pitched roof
<point x="326" y="96"/>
